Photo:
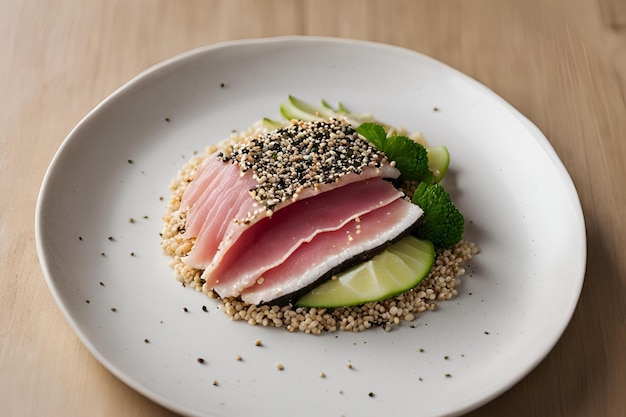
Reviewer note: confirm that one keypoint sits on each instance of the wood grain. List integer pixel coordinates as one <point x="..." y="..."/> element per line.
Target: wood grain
<point x="561" y="63"/>
<point x="613" y="12"/>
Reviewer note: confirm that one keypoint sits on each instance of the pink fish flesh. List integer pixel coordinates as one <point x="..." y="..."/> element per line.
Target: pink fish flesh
<point x="272" y="240"/>
<point x="330" y="252"/>
<point x="221" y="209"/>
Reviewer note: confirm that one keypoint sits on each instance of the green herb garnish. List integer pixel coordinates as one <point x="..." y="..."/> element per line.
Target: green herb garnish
<point x="443" y="223"/>
<point x="411" y="158"/>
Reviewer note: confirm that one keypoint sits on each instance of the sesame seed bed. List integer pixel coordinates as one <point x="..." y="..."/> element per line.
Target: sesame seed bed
<point x="439" y="285"/>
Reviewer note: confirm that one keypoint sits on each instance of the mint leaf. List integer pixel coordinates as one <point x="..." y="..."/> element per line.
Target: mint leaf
<point x="411" y="157"/>
<point x="374" y="133"/>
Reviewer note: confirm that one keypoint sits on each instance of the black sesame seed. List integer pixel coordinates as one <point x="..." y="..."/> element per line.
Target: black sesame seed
<point x="111" y="238"/>
<point x="185" y="309"/>
<point x="113" y="309"/>
<point x="205" y="309"/>
<point x="371" y="394"/>
<point x="130" y="161"/>
<point x="167" y="119"/>
<point x="200" y="360"/>
<point x="146" y="341"/>
<point x="290" y="159"/>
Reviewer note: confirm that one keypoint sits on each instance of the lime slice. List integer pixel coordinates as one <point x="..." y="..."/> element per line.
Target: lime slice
<point x="399" y="268"/>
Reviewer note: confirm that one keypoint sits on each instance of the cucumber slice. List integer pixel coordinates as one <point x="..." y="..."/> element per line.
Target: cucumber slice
<point x="328" y="106"/>
<point x="438" y="162"/>
<point x="297" y="109"/>
<point x="310" y="109"/>
<point x="342" y="109"/>
<point x="399" y="268"/>
<point x="289" y="111"/>
<point x="271" y="124"/>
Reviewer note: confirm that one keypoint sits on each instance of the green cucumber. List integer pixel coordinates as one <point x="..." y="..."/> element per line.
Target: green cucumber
<point x="438" y="162"/>
<point x="297" y="109"/>
<point x="399" y="268"/>
<point x="271" y="124"/>
<point x="321" y="112"/>
<point x="329" y="107"/>
<point x="289" y="112"/>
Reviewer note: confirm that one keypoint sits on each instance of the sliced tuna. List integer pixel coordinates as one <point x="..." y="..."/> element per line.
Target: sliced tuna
<point x="272" y="240"/>
<point x="228" y="196"/>
<point x="263" y="208"/>
<point x="330" y="252"/>
<point x="211" y="217"/>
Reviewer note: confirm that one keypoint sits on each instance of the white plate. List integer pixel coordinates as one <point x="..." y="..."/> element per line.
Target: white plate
<point x="520" y="204"/>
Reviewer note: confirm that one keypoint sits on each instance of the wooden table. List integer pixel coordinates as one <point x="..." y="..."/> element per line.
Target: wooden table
<point x="562" y="63"/>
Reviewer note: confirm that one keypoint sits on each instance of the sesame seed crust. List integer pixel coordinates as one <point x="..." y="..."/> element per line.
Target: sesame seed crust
<point x="302" y="155"/>
<point x="440" y="284"/>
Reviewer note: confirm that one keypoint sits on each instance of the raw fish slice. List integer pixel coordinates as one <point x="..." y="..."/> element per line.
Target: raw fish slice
<point x="214" y="213"/>
<point x="214" y="205"/>
<point x="206" y="173"/>
<point x="271" y="241"/>
<point x="331" y="252"/>
<point x="238" y="210"/>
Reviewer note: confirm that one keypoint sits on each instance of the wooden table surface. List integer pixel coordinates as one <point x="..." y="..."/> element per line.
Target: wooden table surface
<point x="562" y="63"/>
